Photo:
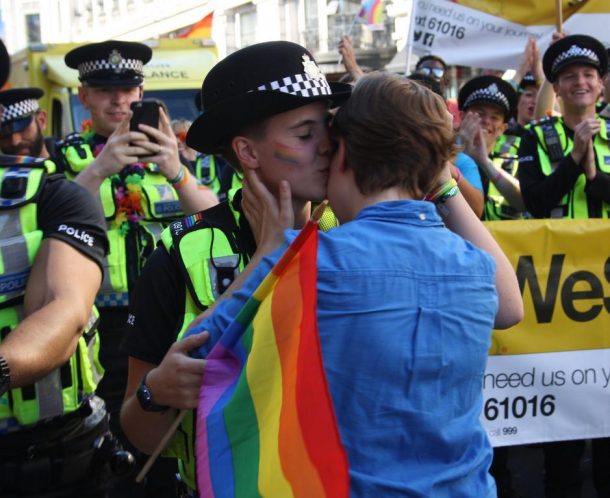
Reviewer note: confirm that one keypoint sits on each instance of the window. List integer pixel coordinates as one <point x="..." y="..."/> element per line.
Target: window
<point x="32" y="28"/>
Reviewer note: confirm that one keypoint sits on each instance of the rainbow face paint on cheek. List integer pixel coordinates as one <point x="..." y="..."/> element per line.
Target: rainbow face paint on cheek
<point x="287" y="153"/>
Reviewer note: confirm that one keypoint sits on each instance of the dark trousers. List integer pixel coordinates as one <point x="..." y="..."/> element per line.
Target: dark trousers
<point x="160" y="480"/>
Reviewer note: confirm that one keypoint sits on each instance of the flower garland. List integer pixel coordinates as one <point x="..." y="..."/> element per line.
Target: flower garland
<point x="127" y="188"/>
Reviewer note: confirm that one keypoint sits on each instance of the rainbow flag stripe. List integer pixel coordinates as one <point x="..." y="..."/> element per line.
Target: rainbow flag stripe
<point x="265" y="424"/>
<point x="286" y="153"/>
<point x="372" y="12"/>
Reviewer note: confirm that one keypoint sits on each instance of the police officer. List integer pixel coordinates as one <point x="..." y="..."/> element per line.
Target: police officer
<point x="23" y="123"/>
<point x="54" y="438"/>
<point x="139" y="179"/>
<point x="563" y="174"/>
<point x="202" y="254"/>
<point x="487" y="103"/>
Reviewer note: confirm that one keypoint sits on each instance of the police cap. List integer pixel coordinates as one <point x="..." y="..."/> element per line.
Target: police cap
<point x="488" y="90"/>
<point x="20" y="105"/>
<point x="110" y="63"/>
<point x="574" y="49"/>
<point x="255" y="83"/>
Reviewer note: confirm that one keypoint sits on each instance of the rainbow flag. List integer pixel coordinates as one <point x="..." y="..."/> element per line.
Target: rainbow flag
<point x="371" y="11"/>
<point x="265" y="423"/>
<point x="201" y="29"/>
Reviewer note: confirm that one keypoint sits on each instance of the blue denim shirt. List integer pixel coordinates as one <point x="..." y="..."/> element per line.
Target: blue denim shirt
<point x="405" y="314"/>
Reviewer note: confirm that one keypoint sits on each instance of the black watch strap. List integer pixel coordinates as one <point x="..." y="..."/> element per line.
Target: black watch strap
<point x="145" y="398"/>
<point x="5" y="376"/>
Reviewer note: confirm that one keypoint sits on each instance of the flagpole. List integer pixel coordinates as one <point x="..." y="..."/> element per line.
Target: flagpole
<point x="409" y="47"/>
<point x="161" y="446"/>
<point x="349" y="32"/>
<point x="558" y="16"/>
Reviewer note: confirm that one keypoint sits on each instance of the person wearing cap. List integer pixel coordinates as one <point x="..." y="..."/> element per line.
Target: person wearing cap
<point x="141" y="184"/>
<point x="561" y="160"/>
<point x="564" y="174"/>
<point x="266" y="119"/>
<point x="23" y="123"/>
<point x="406" y="390"/>
<point x="487" y="103"/>
<point x="54" y="437"/>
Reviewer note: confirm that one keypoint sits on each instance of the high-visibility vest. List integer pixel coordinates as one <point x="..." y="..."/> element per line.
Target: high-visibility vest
<point x="210" y="255"/>
<point x="574" y="204"/>
<point x="63" y="390"/>
<point x="128" y="252"/>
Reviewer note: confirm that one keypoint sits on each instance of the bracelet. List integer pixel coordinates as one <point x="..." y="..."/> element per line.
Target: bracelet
<point x="183" y="181"/>
<point x="441" y="190"/>
<point x="178" y="177"/>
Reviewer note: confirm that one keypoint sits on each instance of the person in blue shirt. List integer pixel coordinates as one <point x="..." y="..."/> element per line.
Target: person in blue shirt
<point x="404" y="357"/>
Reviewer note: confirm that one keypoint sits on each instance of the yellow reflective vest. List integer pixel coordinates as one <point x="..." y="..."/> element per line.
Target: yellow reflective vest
<point x="574" y="203"/>
<point x="62" y="390"/>
<point x="128" y="251"/>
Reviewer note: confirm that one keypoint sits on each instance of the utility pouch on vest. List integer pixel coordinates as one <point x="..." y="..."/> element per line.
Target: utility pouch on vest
<point x="76" y="152"/>
<point x="552" y="142"/>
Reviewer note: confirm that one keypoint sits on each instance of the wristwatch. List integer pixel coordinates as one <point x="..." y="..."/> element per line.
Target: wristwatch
<point x="5" y="376"/>
<point x="145" y="398"/>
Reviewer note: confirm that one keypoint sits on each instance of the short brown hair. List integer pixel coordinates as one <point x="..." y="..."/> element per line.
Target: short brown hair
<point x="397" y="133"/>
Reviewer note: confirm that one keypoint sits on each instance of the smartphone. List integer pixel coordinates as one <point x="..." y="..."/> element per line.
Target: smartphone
<point x="145" y="112"/>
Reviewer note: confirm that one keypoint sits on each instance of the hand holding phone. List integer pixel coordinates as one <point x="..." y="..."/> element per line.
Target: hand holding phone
<point x="145" y="112"/>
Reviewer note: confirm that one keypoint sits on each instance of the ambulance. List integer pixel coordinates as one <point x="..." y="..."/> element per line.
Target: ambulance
<point x="174" y="75"/>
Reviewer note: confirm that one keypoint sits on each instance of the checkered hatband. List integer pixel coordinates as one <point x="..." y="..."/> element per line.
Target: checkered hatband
<point x="491" y="94"/>
<point x="19" y="110"/>
<point x="301" y="85"/>
<point x="573" y="52"/>
<point x="90" y="67"/>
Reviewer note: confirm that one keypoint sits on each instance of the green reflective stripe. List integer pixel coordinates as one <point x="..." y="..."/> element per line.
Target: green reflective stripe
<point x="574" y="204"/>
<point x="115" y="276"/>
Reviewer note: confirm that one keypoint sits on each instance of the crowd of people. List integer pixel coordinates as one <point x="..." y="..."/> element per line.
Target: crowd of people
<point x="116" y="239"/>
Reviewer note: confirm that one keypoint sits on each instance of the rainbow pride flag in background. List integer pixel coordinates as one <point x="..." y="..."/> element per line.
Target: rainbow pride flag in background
<point x="371" y="11"/>
<point x="265" y="423"/>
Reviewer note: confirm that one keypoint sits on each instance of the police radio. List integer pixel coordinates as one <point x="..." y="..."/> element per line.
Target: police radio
<point x="552" y="142"/>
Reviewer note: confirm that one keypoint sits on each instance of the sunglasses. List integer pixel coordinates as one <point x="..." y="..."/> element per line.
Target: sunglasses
<point x="437" y="72"/>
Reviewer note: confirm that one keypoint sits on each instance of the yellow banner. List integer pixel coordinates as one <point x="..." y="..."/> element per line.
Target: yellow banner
<point x="563" y="268"/>
<point x="536" y="12"/>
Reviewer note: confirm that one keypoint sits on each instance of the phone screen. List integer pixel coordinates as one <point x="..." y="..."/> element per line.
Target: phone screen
<point x="144" y="112"/>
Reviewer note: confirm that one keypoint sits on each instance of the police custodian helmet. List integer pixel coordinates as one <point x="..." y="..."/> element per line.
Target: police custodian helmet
<point x="255" y="83"/>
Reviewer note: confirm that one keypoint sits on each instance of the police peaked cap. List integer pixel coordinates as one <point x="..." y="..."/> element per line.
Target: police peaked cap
<point x="574" y="49"/>
<point x="19" y="104"/>
<point x="110" y="63"/>
<point x="528" y="80"/>
<point x="488" y="90"/>
<point x="255" y="83"/>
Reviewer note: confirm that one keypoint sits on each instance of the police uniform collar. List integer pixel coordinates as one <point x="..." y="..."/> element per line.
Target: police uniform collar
<point x="574" y="49"/>
<point x="110" y="63"/>
<point x="488" y="90"/>
<point x="255" y="83"/>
